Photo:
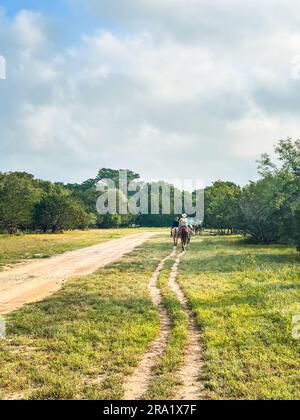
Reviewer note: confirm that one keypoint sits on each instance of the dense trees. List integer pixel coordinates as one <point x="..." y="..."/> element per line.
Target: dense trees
<point x="222" y="206"/>
<point x="57" y="211"/>
<point x="29" y="204"/>
<point x="18" y="196"/>
<point x="271" y="206"/>
<point x="267" y="210"/>
<point x="260" y="210"/>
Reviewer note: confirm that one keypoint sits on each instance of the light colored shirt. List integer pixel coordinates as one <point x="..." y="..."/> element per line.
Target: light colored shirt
<point x="183" y="222"/>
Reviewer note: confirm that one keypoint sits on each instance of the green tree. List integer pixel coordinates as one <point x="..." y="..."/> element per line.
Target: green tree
<point x="287" y="176"/>
<point x="57" y="212"/>
<point x="18" y="195"/>
<point x="261" y="204"/>
<point x="222" y="209"/>
<point x="113" y="174"/>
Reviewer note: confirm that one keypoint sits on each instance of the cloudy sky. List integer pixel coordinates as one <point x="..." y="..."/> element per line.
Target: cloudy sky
<point x="168" y="88"/>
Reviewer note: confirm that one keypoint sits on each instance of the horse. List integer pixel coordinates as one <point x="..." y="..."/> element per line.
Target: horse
<point x="184" y="236"/>
<point x="175" y="236"/>
<point x="191" y="232"/>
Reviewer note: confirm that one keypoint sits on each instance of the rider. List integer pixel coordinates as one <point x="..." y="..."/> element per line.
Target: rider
<point x="175" y="225"/>
<point x="183" y="222"/>
<point x="191" y="227"/>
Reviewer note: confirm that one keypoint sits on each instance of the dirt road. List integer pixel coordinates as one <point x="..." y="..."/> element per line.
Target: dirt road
<point x="35" y="280"/>
<point x="190" y="387"/>
<point x="137" y="384"/>
<point x="189" y="383"/>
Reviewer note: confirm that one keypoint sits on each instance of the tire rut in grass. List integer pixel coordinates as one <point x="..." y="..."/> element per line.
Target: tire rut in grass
<point x="190" y="387"/>
<point x="137" y="384"/>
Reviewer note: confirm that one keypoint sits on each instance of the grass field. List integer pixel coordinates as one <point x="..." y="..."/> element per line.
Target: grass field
<point x="79" y="343"/>
<point x="245" y="297"/>
<point x="16" y="248"/>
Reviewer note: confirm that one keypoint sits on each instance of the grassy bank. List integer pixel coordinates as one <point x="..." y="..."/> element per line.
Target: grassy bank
<point x="245" y="297"/>
<point x="17" y="248"/>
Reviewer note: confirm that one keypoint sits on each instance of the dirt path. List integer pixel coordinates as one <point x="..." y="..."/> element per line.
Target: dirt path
<point x="136" y="385"/>
<point x="191" y="387"/>
<point x="35" y="280"/>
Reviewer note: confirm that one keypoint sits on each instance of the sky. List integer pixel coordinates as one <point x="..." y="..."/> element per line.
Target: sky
<point x="172" y="89"/>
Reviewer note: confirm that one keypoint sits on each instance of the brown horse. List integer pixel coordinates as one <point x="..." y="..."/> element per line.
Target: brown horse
<point x="175" y="236"/>
<point x="184" y="236"/>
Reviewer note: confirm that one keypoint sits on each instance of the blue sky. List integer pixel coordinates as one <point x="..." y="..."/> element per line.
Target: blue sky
<point x="55" y="7"/>
<point x="56" y="10"/>
<point x="73" y="20"/>
<point x="168" y="88"/>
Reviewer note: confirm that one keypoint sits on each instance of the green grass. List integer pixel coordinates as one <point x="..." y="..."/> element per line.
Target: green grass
<point x="245" y="296"/>
<point x="16" y="248"/>
<point x="164" y="379"/>
<point x="82" y="341"/>
<point x="79" y="343"/>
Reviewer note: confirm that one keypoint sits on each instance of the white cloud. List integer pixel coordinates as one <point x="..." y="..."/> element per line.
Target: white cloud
<point x="169" y="97"/>
<point x="27" y="28"/>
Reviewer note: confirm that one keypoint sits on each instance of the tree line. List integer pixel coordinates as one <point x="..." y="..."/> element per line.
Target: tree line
<point x="267" y="211"/>
<point x="29" y="204"/>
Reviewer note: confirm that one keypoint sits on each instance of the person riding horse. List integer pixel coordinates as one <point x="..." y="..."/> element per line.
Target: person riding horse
<point x="184" y="231"/>
<point x="175" y="225"/>
<point x="182" y="228"/>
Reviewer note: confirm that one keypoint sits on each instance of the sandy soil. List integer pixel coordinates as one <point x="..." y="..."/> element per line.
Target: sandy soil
<point x="35" y="280"/>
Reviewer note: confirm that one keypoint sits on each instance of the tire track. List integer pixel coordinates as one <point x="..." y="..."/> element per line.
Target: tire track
<point x="136" y="385"/>
<point x="190" y="387"/>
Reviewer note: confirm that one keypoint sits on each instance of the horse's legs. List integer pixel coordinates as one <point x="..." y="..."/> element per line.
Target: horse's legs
<point x="184" y="239"/>
<point x="175" y="236"/>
